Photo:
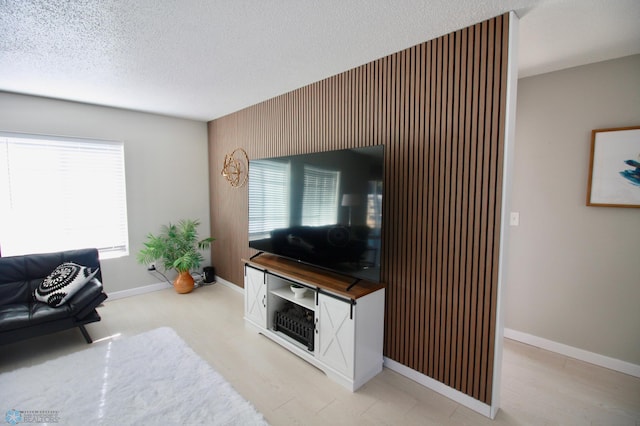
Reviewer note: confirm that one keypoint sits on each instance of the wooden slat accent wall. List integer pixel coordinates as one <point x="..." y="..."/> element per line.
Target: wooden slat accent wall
<point x="439" y="108"/>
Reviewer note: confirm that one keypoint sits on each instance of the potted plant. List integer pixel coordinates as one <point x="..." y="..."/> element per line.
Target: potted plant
<point x="176" y="247"/>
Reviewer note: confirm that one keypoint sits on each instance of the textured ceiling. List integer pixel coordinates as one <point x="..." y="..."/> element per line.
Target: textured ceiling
<point x="202" y="59"/>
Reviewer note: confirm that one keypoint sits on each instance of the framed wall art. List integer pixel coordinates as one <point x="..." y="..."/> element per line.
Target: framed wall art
<point x="614" y="172"/>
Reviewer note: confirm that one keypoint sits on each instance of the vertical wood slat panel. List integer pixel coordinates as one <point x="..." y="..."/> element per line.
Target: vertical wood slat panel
<point x="413" y="190"/>
<point x="421" y="255"/>
<point x="457" y="194"/>
<point x="430" y="208"/>
<point x="439" y="108"/>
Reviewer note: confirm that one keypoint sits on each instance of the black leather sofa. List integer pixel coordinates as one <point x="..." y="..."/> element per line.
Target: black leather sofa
<point x="23" y="317"/>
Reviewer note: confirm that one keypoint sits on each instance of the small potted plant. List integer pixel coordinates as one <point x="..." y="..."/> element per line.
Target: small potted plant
<point x="176" y="247"/>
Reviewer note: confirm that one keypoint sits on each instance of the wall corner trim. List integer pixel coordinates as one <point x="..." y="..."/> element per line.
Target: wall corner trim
<point x="441" y="388"/>
<point x="572" y="352"/>
<point x="507" y="188"/>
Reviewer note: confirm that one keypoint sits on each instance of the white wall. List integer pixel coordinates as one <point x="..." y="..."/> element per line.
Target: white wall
<point x="165" y="165"/>
<point x="574" y="271"/>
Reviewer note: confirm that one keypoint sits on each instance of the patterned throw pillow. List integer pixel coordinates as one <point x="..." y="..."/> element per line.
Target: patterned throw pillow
<point x="63" y="283"/>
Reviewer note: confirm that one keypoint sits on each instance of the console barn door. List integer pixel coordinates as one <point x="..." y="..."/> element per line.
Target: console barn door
<point x="336" y="334"/>
<point x="255" y="296"/>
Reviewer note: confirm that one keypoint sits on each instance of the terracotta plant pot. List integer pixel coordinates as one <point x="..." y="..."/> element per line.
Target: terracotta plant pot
<point x="183" y="283"/>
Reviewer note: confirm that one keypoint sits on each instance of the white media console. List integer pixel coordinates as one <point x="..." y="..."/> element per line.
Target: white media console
<point x="338" y="326"/>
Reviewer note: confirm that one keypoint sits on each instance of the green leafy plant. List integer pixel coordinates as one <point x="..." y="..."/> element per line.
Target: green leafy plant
<point x="176" y="247"/>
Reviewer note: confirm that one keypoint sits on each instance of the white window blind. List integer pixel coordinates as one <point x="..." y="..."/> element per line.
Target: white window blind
<point x="60" y="194"/>
<point x="268" y="198"/>
<point x="320" y="197"/>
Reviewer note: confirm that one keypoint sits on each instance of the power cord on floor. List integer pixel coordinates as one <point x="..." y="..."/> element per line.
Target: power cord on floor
<point x="198" y="279"/>
<point x="152" y="269"/>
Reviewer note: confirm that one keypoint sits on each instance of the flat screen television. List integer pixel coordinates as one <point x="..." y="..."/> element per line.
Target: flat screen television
<point x="323" y="209"/>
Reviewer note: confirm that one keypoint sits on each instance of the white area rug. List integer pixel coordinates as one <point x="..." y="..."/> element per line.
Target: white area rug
<point x="153" y="378"/>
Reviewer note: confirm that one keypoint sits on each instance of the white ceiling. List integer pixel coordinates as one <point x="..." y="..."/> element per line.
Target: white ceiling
<point x="202" y="59"/>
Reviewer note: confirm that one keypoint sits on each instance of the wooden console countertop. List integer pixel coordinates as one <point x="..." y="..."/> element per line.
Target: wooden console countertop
<point x="314" y="277"/>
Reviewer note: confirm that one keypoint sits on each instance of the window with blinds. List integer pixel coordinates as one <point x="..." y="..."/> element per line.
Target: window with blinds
<point x="268" y="198"/>
<point x="60" y="194"/>
<point x="320" y="197"/>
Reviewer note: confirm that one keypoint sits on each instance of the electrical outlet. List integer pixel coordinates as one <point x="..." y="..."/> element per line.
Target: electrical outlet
<point x="514" y="219"/>
<point x="151" y="266"/>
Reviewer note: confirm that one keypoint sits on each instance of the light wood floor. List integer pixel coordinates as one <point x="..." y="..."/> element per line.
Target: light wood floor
<point x="538" y="388"/>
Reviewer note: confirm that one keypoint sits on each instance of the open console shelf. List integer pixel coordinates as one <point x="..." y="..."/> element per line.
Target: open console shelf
<point x="308" y="301"/>
<point x="342" y="326"/>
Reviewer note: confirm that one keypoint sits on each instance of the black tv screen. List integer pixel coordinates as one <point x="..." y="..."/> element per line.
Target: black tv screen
<point x="323" y="209"/>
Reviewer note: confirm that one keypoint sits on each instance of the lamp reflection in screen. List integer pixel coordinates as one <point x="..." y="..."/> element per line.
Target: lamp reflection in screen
<point x="350" y="200"/>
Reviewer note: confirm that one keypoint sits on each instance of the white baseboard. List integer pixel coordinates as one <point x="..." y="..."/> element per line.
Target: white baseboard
<point x="580" y="354"/>
<point x="138" y="290"/>
<point x="441" y="388"/>
<point x="229" y="284"/>
<point x="161" y="286"/>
